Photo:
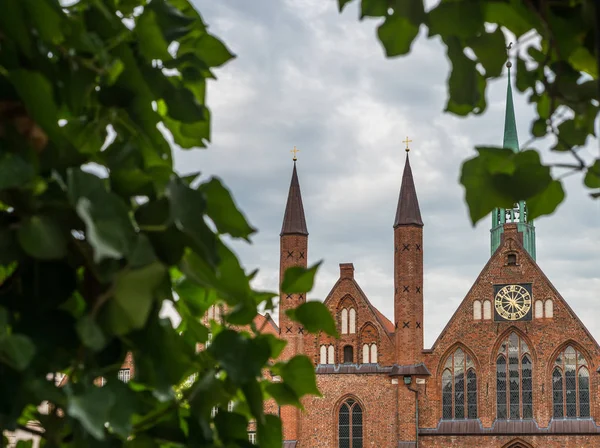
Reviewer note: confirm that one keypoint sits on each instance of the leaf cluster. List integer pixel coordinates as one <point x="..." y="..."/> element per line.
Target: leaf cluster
<point x="557" y="58"/>
<point x="98" y="232"/>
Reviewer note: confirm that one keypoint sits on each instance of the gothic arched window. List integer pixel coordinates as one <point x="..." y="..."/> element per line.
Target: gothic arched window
<point x="459" y="387"/>
<point x="369" y="353"/>
<point x="350" y="420"/>
<point x="514" y="386"/>
<point x="570" y="385"/>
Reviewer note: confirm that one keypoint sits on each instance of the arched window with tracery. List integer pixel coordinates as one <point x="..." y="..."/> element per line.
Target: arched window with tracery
<point x="350" y="425"/>
<point x="459" y="387"/>
<point x="570" y="385"/>
<point x="514" y="385"/>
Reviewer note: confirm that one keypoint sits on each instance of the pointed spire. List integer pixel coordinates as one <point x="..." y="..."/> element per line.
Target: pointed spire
<point x="294" y="221"/>
<point x="511" y="139"/>
<point x="408" y="212"/>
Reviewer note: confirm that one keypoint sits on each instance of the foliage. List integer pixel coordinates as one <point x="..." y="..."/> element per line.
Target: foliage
<point x="97" y="231"/>
<point x="557" y="53"/>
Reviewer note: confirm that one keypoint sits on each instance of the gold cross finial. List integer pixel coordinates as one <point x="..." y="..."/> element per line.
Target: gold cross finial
<point x="407" y="141"/>
<point x="294" y="151"/>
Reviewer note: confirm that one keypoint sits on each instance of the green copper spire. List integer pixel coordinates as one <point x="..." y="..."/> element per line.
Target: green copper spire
<point x="518" y="214"/>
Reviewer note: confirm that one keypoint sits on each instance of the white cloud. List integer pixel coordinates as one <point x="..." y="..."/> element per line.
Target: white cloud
<point x="308" y="76"/>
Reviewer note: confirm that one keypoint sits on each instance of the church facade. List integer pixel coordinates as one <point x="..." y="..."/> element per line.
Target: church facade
<point x="513" y="368"/>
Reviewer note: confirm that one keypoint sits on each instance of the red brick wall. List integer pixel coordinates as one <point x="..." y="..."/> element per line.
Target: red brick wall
<point x="550" y="441"/>
<point x="293" y="252"/>
<point x="545" y="338"/>
<point x="408" y="293"/>
<point x="377" y="397"/>
<point x="368" y="328"/>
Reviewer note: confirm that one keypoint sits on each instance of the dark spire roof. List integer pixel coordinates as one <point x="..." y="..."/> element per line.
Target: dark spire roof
<point x="294" y="222"/>
<point x="408" y="212"/>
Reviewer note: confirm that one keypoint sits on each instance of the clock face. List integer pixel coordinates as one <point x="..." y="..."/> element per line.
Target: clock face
<point x="512" y="302"/>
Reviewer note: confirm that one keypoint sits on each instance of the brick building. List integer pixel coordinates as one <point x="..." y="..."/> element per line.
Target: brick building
<point x="513" y="368"/>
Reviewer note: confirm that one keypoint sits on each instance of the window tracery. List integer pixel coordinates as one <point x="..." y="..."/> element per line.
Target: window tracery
<point x="459" y="387"/>
<point x="514" y="386"/>
<point x="570" y="385"/>
<point x="350" y="425"/>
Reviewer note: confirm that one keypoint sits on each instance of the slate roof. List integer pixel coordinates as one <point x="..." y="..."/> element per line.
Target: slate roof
<point x="418" y="369"/>
<point x="289" y="443"/>
<point x="408" y="212"/>
<point x="517" y="427"/>
<point x="294" y="222"/>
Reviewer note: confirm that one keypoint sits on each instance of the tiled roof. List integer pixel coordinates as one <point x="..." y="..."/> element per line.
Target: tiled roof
<point x="266" y="324"/>
<point x="522" y="427"/>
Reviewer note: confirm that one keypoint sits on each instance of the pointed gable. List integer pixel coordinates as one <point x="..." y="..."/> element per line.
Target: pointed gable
<point x="512" y="264"/>
<point x="408" y="212"/>
<point x="294" y="222"/>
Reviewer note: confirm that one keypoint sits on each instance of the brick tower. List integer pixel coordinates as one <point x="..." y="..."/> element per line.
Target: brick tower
<point x="293" y="252"/>
<point x="408" y="273"/>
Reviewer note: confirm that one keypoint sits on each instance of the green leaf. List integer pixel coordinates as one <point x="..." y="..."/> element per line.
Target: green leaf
<point x="314" y="316"/>
<point x="187" y="212"/>
<point x="41" y="237"/>
<point x="14" y="26"/>
<point x="512" y="15"/>
<point x="242" y="357"/>
<point x="134" y="294"/>
<point x="24" y="444"/>
<point x="150" y="37"/>
<point x="500" y="178"/>
<point x="36" y="92"/>
<point x="373" y="8"/>
<point x="539" y="128"/>
<point x="90" y="333"/>
<point x="570" y="134"/>
<point x="592" y="177"/>
<point x="270" y="433"/>
<point x="45" y="19"/>
<point x="490" y="49"/>
<point x="283" y="394"/>
<point x="466" y="85"/>
<point x="277" y="345"/>
<point x="298" y="279"/>
<point x="232" y="427"/>
<point x="397" y="34"/>
<point x="17" y="351"/>
<point x="545" y="202"/>
<point x="299" y="374"/>
<point x="459" y="18"/>
<point x="108" y="226"/>
<point x="582" y="60"/>
<point x="342" y="4"/>
<point x="15" y="172"/>
<point x="221" y="208"/>
<point x="212" y="51"/>
<point x="92" y="409"/>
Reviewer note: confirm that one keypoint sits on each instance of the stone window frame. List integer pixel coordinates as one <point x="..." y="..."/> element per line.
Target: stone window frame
<point x="337" y="410"/>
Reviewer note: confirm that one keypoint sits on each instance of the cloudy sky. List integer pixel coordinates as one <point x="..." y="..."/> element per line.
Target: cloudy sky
<point x="307" y="76"/>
